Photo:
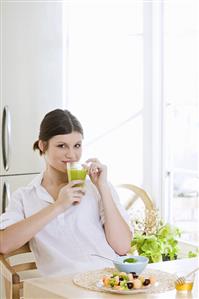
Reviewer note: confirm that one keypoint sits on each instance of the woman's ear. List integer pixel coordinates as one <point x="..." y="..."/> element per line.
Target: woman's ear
<point x="42" y="146"/>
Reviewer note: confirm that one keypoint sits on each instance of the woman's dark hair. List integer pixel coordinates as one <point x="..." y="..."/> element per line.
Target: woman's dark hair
<point x="57" y="122"/>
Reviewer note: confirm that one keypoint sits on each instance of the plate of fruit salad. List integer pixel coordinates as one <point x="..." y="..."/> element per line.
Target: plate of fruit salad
<point x="126" y="283"/>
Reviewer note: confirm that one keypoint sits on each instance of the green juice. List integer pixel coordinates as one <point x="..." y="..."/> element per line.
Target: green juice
<point x="76" y="174"/>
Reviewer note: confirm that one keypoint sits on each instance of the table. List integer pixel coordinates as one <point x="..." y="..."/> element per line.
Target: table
<point x="63" y="287"/>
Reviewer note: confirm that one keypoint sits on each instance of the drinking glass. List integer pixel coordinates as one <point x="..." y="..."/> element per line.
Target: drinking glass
<point x="76" y="171"/>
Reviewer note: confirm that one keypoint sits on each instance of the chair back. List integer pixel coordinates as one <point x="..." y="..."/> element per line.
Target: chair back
<point x="137" y="193"/>
<point x="12" y="266"/>
<point x="140" y="207"/>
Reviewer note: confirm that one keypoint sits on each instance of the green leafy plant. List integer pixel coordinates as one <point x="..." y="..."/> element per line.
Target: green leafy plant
<point x="157" y="241"/>
<point x="193" y="254"/>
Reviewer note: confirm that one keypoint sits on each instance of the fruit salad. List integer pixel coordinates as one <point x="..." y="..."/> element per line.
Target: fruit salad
<point x="127" y="281"/>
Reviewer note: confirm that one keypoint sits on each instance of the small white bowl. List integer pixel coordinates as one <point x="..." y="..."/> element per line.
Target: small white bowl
<point x="138" y="266"/>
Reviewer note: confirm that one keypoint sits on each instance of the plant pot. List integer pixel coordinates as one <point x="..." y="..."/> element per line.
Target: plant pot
<point x="167" y="257"/>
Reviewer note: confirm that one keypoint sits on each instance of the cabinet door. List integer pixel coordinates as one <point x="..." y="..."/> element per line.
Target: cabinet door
<point x="9" y="184"/>
<point x="31" y="76"/>
<point x="1" y="104"/>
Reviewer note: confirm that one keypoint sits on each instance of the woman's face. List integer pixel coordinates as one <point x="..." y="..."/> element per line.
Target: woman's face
<point x="62" y="149"/>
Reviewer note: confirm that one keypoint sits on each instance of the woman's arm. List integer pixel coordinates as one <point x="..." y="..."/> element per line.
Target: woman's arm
<point x="117" y="231"/>
<point x="23" y="231"/>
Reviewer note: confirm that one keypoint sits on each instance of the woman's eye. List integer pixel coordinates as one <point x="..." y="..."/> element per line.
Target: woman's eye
<point x="61" y="145"/>
<point x="78" y="145"/>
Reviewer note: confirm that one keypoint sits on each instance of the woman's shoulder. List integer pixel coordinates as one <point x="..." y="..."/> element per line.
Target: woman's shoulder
<point x="34" y="183"/>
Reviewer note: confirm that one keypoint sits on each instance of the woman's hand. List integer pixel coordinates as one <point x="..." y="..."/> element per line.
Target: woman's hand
<point x="97" y="172"/>
<point x="70" y="194"/>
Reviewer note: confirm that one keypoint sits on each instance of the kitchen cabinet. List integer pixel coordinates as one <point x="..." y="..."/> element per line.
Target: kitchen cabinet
<point x="31" y="78"/>
<point x="31" y="81"/>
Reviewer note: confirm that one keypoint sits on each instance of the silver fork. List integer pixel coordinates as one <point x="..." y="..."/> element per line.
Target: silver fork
<point x="182" y="279"/>
<point x="104" y="257"/>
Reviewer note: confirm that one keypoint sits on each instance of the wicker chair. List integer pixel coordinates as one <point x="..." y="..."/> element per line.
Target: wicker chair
<point x="137" y="193"/>
<point x="140" y="207"/>
<point x="12" y="273"/>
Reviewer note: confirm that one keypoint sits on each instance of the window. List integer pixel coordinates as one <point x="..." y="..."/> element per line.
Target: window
<point x="131" y="78"/>
<point x="105" y="82"/>
<point x="182" y="114"/>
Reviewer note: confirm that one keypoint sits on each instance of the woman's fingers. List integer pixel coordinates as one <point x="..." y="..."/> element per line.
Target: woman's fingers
<point x="75" y="183"/>
<point x="95" y="166"/>
<point x="97" y="171"/>
<point x="92" y="160"/>
<point x="78" y="191"/>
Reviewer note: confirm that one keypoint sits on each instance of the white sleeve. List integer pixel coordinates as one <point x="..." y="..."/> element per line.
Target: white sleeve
<point x="120" y="208"/>
<point x="14" y="211"/>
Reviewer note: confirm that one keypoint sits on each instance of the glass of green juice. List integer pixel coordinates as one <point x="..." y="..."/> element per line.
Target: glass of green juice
<point x="76" y="171"/>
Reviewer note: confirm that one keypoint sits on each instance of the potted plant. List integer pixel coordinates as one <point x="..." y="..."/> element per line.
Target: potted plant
<point x="154" y="239"/>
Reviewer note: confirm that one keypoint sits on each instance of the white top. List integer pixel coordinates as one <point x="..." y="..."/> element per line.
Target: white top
<point x="64" y="245"/>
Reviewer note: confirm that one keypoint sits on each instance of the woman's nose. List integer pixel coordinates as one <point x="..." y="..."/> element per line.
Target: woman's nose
<point x="70" y="154"/>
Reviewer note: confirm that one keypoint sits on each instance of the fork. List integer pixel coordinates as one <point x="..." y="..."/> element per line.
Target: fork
<point x="104" y="257"/>
<point x="182" y="279"/>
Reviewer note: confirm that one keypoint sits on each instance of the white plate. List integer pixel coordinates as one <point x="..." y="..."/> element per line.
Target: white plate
<point x="92" y="280"/>
<point x="100" y="285"/>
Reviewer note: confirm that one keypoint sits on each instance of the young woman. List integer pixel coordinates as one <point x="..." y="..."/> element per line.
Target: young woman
<point x="63" y="235"/>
